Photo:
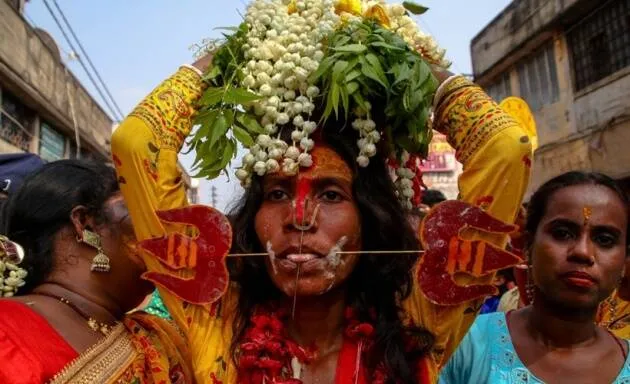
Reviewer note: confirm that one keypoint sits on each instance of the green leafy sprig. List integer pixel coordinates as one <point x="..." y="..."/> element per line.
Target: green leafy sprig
<point x="222" y="109"/>
<point x="366" y="62"/>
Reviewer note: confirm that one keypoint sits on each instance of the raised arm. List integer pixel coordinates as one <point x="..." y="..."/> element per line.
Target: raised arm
<point x="496" y="154"/>
<point x="145" y="148"/>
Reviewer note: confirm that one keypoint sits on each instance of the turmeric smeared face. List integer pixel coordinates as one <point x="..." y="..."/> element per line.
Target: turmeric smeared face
<point x="305" y="220"/>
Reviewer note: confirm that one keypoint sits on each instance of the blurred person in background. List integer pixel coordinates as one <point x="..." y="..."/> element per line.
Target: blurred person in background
<point x="14" y="167"/>
<point x="504" y="281"/>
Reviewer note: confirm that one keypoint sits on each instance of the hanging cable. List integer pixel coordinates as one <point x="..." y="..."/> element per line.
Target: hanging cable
<point x="113" y="113"/>
<point x="87" y="57"/>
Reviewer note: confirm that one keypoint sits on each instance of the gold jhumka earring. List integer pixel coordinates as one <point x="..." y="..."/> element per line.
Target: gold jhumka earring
<point x="100" y="262"/>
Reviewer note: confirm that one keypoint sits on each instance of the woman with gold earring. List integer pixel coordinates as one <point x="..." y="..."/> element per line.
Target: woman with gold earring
<point x="78" y="279"/>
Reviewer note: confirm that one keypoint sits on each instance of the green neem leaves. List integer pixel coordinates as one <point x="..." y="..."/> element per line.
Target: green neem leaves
<point x="366" y="62"/>
<point x="222" y="119"/>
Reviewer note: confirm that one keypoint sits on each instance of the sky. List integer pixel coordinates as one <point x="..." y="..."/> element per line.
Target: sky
<point x="136" y="44"/>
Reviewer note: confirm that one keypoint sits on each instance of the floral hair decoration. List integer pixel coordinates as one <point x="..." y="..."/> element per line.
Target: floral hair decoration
<point x="293" y="64"/>
<point x="11" y="275"/>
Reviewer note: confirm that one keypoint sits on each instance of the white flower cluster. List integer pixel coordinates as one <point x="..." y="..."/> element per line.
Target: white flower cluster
<point x="404" y="182"/>
<point x="284" y="47"/>
<point x="369" y="136"/>
<point x="11" y="278"/>
<point x="405" y="27"/>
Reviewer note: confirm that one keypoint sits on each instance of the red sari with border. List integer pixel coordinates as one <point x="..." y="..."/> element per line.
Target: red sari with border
<point x="31" y="351"/>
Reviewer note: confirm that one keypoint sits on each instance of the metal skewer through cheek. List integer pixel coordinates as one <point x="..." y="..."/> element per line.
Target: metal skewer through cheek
<point x="303" y="227"/>
<point x="389" y="252"/>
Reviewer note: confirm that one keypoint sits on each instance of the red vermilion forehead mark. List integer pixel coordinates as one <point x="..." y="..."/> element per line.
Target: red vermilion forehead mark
<point x="303" y="190"/>
<point x="327" y="163"/>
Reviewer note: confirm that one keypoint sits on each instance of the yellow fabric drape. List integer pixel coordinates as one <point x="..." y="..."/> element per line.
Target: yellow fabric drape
<point x="614" y="314"/>
<point x="143" y="350"/>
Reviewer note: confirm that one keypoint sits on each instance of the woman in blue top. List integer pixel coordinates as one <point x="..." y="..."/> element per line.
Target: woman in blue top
<point x="577" y="231"/>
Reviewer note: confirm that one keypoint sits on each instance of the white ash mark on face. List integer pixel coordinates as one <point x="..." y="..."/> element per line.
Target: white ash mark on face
<point x="334" y="257"/>
<point x="272" y="258"/>
<point x="329" y="276"/>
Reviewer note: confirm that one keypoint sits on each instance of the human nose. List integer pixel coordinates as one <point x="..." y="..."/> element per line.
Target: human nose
<point x="304" y="215"/>
<point x="583" y="251"/>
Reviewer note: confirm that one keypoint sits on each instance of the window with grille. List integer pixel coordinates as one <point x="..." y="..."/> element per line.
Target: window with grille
<point x="538" y="78"/>
<point x="600" y="43"/>
<point x="15" y="121"/>
<point x="500" y="89"/>
<point x="52" y="144"/>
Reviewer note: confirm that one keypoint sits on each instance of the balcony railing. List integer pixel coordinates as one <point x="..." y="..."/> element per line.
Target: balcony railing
<point x="13" y="132"/>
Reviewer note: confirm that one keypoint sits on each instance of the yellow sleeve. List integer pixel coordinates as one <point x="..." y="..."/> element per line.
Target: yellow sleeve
<point x="614" y="315"/>
<point x="145" y="148"/>
<point x="496" y="154"/>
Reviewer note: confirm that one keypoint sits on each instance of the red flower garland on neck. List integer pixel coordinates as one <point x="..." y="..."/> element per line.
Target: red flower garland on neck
<point x="267" y="350"/>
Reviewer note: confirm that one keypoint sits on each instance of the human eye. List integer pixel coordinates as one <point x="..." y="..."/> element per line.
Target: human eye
<point x="277" y="194"/>
<point x="562" y="233"/>
<point x="605" y="240"/>
<point x="330" y="195"/>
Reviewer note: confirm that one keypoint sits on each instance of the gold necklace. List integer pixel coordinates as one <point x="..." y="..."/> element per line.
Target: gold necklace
<point x="94" y="324"/>
<point x="612" y="310"/>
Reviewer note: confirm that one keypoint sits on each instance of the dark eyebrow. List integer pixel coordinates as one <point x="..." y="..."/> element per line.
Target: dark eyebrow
<point x="283" y="182"/>
<point x="576" y="226"/>
<point x="328" y="181"/>
<point x="607" y="228"/>
<point x="566" y="222"/>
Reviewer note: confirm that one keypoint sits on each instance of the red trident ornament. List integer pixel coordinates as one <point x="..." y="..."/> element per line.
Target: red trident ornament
<point x="446" y="252"/>
<point x="203" y="254"/>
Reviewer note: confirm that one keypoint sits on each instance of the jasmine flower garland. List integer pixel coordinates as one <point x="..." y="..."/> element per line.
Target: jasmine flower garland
<point x="290" y="57"/>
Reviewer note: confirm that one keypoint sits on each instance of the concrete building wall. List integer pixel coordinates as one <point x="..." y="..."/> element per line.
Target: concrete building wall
<point x="33" y="72"/>
<point x="587" y="129"/>
<point x="603" y="102"/>
<point x="513" y="29"/>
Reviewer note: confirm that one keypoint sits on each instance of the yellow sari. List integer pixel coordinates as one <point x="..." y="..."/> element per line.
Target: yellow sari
<point x="614" y="314"/>
<point x="143" y="349"/>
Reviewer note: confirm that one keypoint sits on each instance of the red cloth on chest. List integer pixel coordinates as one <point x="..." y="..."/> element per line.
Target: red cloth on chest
<point x="346" y="365"/>
<point x="31" y="351"/>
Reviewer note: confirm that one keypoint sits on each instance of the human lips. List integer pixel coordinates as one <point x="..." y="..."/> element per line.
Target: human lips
<point x="300" y="258"/>
<point x="304" y="257"/>
<point x="579" y="279"/>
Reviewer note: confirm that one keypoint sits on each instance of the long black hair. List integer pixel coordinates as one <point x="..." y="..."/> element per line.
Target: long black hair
<point x="537" y="206"/>
<point x="41" y="207"/>
<point x="384" y="225"/>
